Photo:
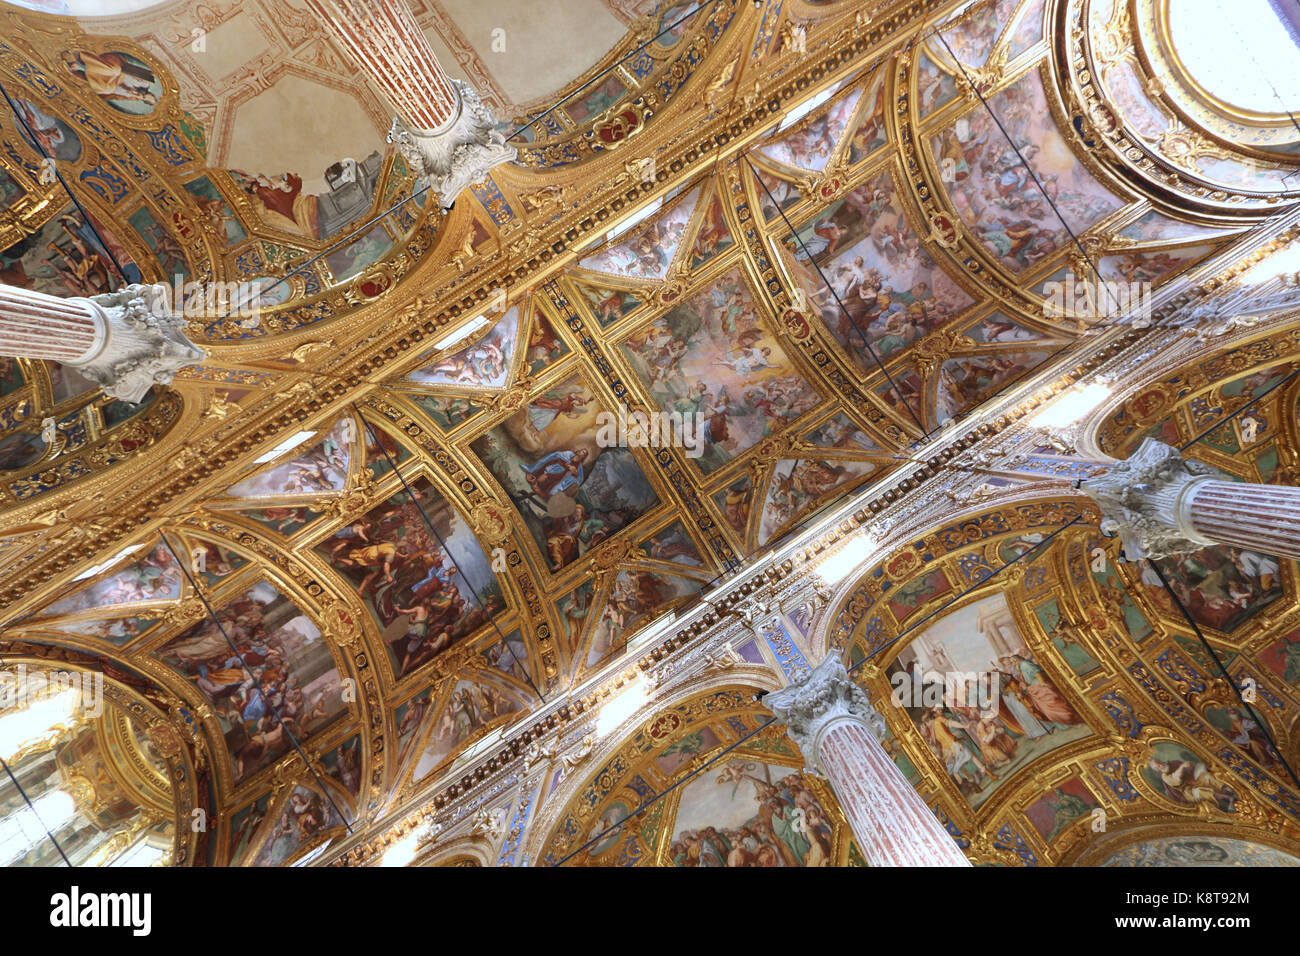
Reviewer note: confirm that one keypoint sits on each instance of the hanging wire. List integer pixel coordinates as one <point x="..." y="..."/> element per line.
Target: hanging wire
<point x="1101" y="283"/>
<point x="54" y="165"/>
<point x="266" y="698"/>
<point x="1037" y="551"/>
<point x="695" y="773"/>
<point x="1214" y="655"/>
<point x="415" y="499"/>
<point x="366" y="226"/>
<point x="1218" y="661"/>
<point x="863" y="335"/>
<point x="31" y="809"/>
<point x="1251" y="404"/>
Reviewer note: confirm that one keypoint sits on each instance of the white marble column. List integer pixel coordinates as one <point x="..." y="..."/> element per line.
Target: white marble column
<point x="829" y="716"/>
<point x="1161" y="504"/>
<point x="442" y="128"/>
<point x="125" y="341"/>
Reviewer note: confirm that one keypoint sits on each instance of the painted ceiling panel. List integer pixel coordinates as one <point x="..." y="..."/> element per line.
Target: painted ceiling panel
<point x="530" y="445"/>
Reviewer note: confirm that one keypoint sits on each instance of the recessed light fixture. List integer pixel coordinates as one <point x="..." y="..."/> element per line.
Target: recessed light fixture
<point x="403" y="851"/>
<point x="803" y="109"/>
<point x="461" y="334"/>
<point x="293" y="441"/>
<point x="1071" y="405"/>
<point x="91" y="572"/>
<point x="1284" y="262"/>
<point x="846" y="560"/>
<point x="622" y="706"/>
<point x="631" y="221"/>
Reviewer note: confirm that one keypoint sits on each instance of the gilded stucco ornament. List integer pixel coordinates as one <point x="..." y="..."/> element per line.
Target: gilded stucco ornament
<point x="823" y="698"/>
<point x="461" y="154"/>
<point x="428" y="836"/>
<point x="723" y="658"/>
<point x="1143" y="499"/>
<point x="488" y="823"/>
<point x="535" y="753"/>
<point x="575" y="757"/>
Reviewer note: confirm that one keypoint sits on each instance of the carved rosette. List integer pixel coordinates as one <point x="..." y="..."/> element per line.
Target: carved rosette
<point x="1146" y="501"/>
<point x="144" y="342"/>
<point x="827" y="696"/>
<point x="458" y="155"/>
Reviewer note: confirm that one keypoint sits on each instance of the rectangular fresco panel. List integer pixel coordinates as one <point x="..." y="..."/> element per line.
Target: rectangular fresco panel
<point x="712" y="355"/>
<point x="751" y="814"/>
<point x="888" y="291"/>
<point x="1221" y="587"/>
<point x="427" y="587"/>
<point x="571" y="492"/>
<point x="998" y="197"/>
<point x="289" y="671"/>
<point x="981" y="748"/>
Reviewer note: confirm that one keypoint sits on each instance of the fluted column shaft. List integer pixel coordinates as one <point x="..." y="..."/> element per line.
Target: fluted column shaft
<point x="126" y="341"/>
<point x="1161" y="504"/>
<point x="1257" y="517"/>
<point x="442" y="129"/>
<point x="838" y="730"/>
<point x="39" y="326"/>
<point x="891" y="823"/>
<point x="386" y="42"/>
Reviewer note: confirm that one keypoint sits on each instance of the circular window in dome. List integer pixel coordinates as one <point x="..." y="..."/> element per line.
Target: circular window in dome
<point x="84" y="8"/>
<point x="1242" y="56"/>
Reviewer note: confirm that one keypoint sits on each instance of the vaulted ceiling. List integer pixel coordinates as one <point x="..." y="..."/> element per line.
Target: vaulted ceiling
<point x="387" y="487"/>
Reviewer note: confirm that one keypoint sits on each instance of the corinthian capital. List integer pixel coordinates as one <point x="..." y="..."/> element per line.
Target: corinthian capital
<point x="1145" y="499"/>
<point x="460" y="154"/>
<point x="143" y="342"/>
<point x="827" y="695"/>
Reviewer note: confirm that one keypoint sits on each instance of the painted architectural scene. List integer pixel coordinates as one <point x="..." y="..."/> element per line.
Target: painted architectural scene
<point x="750" y="813"/>
<point x="1026" y="715"/>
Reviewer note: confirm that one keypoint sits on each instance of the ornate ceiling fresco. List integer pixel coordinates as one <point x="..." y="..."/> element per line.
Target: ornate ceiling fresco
<point x="1112" y="709"/>
<point x="387" y="505"/>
